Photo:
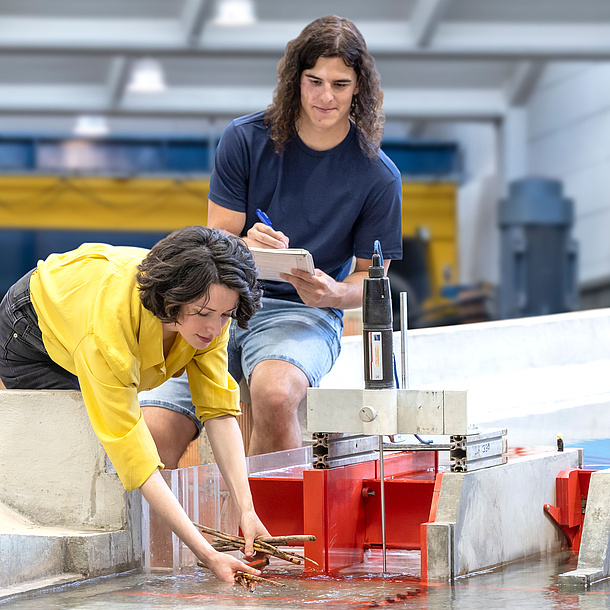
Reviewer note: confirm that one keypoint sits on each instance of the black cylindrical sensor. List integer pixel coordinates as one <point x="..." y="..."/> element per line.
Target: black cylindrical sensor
<point x="377" y="326"/>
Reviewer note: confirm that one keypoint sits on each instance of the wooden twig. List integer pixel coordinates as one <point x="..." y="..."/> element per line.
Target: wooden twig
<point x="257" y="564"/>
<point x="262" y="547"/>
<point x="224" y="546"/>
<point x="286" y="540"/>
<point x="250" y="577"/>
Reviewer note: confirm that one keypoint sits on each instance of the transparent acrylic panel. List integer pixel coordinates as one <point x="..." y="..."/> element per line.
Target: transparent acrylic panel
<point x="287" y="463"/>
<point x="203" y="494"/>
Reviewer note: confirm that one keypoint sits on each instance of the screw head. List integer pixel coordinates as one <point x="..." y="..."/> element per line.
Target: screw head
<point x="367" y="414"/>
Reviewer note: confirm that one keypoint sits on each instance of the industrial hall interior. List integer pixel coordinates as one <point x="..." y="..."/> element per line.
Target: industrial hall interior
<point x="304" y="303"/>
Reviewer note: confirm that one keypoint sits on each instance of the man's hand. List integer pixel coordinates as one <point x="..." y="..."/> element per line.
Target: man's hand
<point x="263" y="236"/>
<point x="317" y="290"/>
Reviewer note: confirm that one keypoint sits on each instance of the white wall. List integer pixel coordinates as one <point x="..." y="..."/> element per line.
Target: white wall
<point x="477" y="198"/>
<point x="566" y="126"/>
<point x="569" y="139"/>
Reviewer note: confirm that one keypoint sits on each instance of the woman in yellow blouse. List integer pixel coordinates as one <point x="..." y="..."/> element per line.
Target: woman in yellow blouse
<point x="112" y="321"/>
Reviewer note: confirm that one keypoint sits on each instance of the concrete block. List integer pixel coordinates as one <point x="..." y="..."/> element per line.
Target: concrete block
<point x="47" y="582"/>
<point x="594" y="545"/>
<point x="579" y="579"/>
<point x="594" y="554"/>
<point x="54" y="467"/>
<point x="439" y="552"/>
<point x="497" y="514"/>
<point x="63" y="514"/>
<point x="96" y="554"/>
<point x="25" y="557"/>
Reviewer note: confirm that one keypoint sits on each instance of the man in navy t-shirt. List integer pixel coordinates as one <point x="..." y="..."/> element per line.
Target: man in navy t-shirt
<point x="311" y="162"/>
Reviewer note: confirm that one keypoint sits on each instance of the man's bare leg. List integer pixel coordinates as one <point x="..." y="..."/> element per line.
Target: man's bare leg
<point x="171" y="431"/>
<point x="276" y="390"/>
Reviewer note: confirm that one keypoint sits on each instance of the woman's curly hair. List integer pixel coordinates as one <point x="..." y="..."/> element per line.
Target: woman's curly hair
<point x="329" y="36"/>
<point x="180" y="269"/>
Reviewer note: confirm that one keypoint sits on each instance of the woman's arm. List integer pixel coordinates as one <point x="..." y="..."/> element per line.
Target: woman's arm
<point x="228" y="447"/>
<point x="165" y="504"/>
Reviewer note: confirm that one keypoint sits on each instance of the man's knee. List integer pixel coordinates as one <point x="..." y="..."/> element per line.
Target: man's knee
<point x="278" y="385"/>
<point x="277" y="398"/>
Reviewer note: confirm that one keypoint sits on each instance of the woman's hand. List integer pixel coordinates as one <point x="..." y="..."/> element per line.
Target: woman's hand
<point x="225" y="566"/>
<point x="251" y="527"/>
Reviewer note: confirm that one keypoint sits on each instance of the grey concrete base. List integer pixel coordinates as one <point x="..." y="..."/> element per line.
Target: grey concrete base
<point x="37" y="585"/>
<point x="33" y="557"/>
<point x="580" y="579"/>
<point x="63" y="511"/>
<point x="55" y="470"/>
<point x="32" y="561"/>
<point x="493" y="516"/>
<point x="594" y="556"/>
<point x="30" y="557"/>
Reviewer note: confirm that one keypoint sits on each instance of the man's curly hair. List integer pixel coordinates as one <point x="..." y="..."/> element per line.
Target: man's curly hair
<point x="180" y="269"/>
<point x="329" y="36"/>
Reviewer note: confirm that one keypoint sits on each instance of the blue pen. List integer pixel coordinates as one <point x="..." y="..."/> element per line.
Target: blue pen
<point x="264" y="218"/>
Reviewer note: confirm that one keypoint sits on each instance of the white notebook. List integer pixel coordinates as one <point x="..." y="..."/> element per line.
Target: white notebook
<point x="272" y="262"/>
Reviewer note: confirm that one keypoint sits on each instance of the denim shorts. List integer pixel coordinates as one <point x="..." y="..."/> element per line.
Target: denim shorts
<point x="24" y="361"/>
<point x="308" y="337"/>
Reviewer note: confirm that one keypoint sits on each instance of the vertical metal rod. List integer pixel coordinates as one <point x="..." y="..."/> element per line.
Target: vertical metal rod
<point x="404" y="327"/>
<point x="381" y="475"/>
<point x="405" y="384"/>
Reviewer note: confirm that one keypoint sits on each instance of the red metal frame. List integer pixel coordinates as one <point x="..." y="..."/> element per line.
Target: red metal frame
<point x="342" y="507"/>
<point x="572" y="489"/>
<point x="331" y="505"/>
<point x="279" y="503"/>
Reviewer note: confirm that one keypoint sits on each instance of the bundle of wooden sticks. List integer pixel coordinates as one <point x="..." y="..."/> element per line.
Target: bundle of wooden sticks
<point x="268" y="545"/>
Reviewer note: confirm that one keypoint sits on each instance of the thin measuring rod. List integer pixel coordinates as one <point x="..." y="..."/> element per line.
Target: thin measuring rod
<point x="381" y="475"/>
<point x="404" y="384"/>
<point x="404" y="327"/>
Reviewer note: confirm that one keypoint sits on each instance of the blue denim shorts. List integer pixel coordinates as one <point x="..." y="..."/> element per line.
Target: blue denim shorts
<point x="308" y="337"/>
<point x="24" y="361"/>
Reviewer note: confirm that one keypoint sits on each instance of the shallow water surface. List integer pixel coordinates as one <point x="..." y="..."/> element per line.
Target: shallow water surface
<point x="523" y="585"/>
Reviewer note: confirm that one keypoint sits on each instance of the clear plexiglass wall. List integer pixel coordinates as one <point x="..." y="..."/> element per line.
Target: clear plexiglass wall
<point x="203" y="494"/>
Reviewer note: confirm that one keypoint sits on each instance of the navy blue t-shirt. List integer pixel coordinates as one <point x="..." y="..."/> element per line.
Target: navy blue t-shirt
<point x="335" y="203"/>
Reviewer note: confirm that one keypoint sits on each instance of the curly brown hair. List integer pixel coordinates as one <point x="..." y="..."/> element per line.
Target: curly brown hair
<point x="329" y="36"/>
<point x="181" y="268"/>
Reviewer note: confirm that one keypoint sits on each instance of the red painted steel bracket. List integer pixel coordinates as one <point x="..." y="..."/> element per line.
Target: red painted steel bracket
<point x="572" y="489"/>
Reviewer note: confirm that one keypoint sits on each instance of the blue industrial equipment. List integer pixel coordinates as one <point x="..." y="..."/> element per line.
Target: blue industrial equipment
<point x="538" y="256"/>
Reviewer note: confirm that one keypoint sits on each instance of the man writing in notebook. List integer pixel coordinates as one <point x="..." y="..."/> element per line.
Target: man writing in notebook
<point x="311" y="162"/>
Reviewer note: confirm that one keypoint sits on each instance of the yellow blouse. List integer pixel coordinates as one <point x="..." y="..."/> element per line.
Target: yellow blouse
<point x="94" y="325"/>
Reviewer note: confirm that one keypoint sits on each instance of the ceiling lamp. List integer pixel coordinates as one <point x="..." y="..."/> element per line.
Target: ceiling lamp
<point x="234" y="12"/>
<point x="147" y="77"/>
<point x="91" y="126"/>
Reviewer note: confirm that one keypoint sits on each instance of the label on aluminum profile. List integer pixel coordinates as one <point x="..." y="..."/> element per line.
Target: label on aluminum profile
<point x="375" y="356"/>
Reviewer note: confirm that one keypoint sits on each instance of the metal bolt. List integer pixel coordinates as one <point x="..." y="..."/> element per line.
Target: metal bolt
<point x="367" y="414"/>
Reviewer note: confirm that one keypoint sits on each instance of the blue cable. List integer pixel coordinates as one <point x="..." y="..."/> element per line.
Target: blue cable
<point x="377" y="248"/>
